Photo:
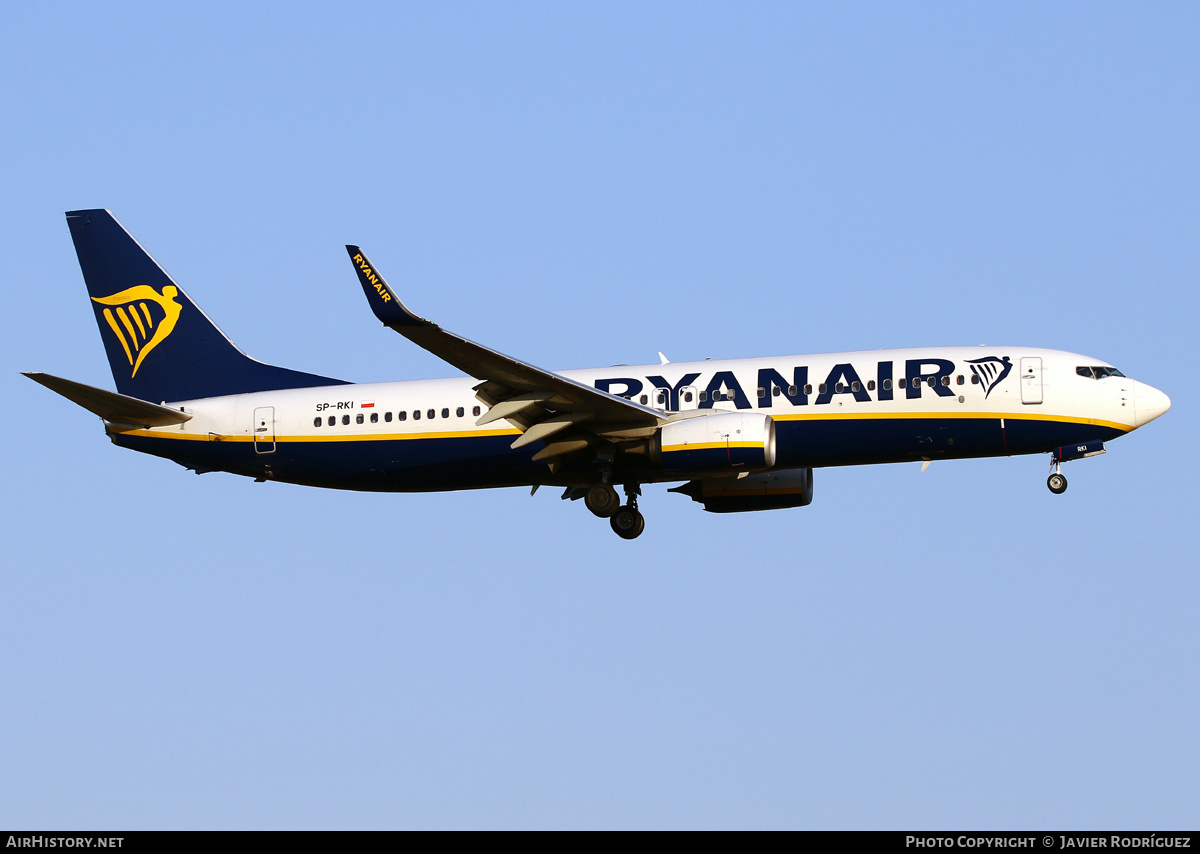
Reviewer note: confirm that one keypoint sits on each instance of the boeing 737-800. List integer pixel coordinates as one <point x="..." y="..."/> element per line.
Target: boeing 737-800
<point x="740" y="434"/>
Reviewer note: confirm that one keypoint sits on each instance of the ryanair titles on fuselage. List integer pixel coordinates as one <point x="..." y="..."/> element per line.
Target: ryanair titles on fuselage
<point x="915" y="378"/>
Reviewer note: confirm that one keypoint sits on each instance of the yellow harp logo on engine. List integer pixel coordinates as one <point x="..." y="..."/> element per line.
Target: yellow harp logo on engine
<point x="136" y="324"/>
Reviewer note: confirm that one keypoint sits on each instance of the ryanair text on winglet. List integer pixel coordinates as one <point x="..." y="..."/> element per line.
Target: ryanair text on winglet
<point x="372" y="278"/>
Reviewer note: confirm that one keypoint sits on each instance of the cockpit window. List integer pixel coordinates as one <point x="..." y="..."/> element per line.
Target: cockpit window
<point x="1097" y="372"/>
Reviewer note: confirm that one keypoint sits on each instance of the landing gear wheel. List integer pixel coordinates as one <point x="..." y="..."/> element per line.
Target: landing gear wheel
<point x="602" y="500"/>
<point x="1057" y="483"/>
<point x="628" y="523"/>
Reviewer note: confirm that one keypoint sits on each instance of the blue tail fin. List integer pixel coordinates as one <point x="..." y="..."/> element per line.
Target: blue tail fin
<point x="160" y="345"/>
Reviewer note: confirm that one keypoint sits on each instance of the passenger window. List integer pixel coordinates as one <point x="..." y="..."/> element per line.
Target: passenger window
<point x="358" y="419"/>
<point x="703" y="396"/>
<point x="856" y="386"/>
<point x="431" y="414"/>
<point x="662" y="397"/>
<point x="932" y="381"/>
<point x="345" y="419"/>
<point x="774" y="391"/>
<point x="902" y="382"/>
<point x="823" y="388"/>
<point x="870" y="385"/>
<point x="317" y="421"/>
<point x="960" y="379"/>
<point x="374" y="417"/>
<point x="416" y="415"/>
<point x="644" y="400"/>
<point x="839" y="388"/>
<point x="402" y="415"/>
<point x="945" y="380"/>
<point x="791" y="390"/>
<point x="974" y="379"/>
<point x="387" y="416"/>
<point x="762" y="392"/>
<point x="887" y="385"/>
<point x="332" y="420"/>
<point x="446" y="412"/>
<point x="808" y="389"/>
<point x="460" y="412"/>
<point x="475" y="411"/>
<point x="687" y="397"/>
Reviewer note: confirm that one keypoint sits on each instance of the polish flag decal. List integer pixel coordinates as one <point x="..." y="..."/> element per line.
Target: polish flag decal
<point x="367" y="404"/>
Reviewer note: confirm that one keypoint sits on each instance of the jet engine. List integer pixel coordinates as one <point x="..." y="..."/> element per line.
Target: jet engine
<point x="722" y="441"/>
<point x="773" y="490"/>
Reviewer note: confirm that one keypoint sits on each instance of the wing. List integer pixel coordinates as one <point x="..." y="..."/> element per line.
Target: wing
<point x="568" y="415"/>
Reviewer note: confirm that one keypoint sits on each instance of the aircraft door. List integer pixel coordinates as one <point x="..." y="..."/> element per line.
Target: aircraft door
<point x="263" y="430"/>
<point x="1031" y="379"/>
<point x="688" y="398"/>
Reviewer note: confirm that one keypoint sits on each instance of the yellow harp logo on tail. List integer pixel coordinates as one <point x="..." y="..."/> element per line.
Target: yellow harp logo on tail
<point x="138" y="328"/>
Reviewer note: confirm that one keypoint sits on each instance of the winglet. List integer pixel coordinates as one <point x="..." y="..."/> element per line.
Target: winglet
<point x="383" y="299"/>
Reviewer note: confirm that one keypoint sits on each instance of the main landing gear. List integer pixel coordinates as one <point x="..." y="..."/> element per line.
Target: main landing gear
<point x="628" y="523"/>
<point x="1057" y="481"/>
<point x="625" y="519"/>
<point x="602" y="500"/>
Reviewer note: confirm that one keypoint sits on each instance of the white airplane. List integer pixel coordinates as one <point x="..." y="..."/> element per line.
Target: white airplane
<point x="742" y="434"/>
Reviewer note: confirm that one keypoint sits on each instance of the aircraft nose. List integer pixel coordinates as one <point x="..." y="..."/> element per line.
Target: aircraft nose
<point x="1148" y="403"/>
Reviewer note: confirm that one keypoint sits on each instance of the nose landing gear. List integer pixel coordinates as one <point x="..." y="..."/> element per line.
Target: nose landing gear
<point x="1057" y="482"/>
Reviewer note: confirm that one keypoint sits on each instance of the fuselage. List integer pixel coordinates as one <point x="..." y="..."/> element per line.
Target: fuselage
<point x="835" y="409"/>
<point x="741" y="435"/>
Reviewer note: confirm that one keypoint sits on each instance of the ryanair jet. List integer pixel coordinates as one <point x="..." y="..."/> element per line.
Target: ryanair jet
<point x="740" y="434"/>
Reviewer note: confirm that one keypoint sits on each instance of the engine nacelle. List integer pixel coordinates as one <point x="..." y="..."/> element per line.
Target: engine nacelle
<point x="724" y="441"/>
<point x="772" y="490"/>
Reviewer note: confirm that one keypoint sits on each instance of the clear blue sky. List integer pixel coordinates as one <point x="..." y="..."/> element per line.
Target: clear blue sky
<point x="583" y="185"/>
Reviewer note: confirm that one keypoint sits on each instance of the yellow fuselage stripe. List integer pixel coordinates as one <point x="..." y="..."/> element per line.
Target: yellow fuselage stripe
<point x="469" y="434"/>
<point x="350" y="437"/>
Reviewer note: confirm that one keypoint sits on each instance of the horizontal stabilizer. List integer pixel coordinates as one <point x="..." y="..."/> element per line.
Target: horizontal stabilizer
<point x="113" y="407"/>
